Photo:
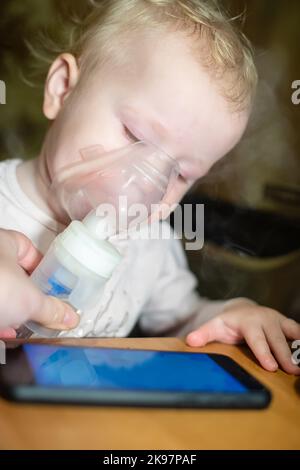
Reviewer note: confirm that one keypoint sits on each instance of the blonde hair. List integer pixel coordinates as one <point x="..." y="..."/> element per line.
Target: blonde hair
<point x="225" y="51"/>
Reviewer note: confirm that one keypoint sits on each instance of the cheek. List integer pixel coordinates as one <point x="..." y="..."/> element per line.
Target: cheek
<point x="70" y="134"/>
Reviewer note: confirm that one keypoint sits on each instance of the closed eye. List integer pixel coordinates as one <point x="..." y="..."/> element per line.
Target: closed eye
<point x="131" y="137"/>
<point x="182" y="179"/>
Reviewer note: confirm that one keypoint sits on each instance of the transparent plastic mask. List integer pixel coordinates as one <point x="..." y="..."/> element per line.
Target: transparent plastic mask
<point x="137" y="174"/>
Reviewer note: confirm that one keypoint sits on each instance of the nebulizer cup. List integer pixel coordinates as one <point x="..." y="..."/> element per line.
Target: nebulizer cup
<point x="81" y="259"/>
<point x="139" y="173"/>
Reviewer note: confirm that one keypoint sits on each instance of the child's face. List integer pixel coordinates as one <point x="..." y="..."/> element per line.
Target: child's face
<point x="162" y="95"/>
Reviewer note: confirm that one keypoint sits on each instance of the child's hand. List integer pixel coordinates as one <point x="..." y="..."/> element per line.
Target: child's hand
<point x="264" y="330"/>
<point x="20" y="300"/>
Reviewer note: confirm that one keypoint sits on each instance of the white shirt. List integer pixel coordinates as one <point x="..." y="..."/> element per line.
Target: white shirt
<point x="152" y="285"/>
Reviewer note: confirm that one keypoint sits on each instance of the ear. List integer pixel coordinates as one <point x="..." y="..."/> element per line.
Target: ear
<point x="61" y="81"/>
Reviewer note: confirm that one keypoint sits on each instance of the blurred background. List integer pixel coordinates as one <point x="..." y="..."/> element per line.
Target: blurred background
<point x="252" y="198"/>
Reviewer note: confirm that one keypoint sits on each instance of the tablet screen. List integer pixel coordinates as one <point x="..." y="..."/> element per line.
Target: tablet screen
<point x="119" y="369"/>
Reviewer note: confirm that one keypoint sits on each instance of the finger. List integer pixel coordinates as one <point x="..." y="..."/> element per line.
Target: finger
<point x="55" y="314"/>
<point x="24" y="301"/>
<point x="170" y="200"/>
<point x="8" y="333"/>
<point x="27" y="255"/>
<point x="290" y="328"/>
<point x="204" y="335"/>
<point x="176" y="191"/>
<point x="257" y="342"/>
<point x="280" y="348"/>
<point x="162" y="212"/>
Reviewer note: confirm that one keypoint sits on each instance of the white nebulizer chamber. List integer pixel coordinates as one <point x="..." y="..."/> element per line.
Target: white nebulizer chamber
<point x="81" y="260"/>
<point x="76" y="268"/>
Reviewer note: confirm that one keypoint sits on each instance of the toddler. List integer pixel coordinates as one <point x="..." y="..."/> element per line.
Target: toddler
<point x="175" y="73"/>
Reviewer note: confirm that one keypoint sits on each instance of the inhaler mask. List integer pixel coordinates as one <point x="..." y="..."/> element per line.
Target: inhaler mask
<point x="138" y="174"/>
<point x="98" y="190"/>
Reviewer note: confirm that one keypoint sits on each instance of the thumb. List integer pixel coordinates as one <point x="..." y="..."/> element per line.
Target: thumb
<point x="28" y="256"/>
<point x="204" y="335"/>
<point x="55" y="314"/>
<point x="8" y="333"/>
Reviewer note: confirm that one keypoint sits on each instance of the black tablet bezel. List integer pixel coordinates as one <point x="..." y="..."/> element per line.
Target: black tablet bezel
<point x="17" y="383"/>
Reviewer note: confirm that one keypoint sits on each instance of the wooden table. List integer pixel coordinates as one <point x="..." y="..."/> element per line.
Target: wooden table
<point x="66" y="427"/>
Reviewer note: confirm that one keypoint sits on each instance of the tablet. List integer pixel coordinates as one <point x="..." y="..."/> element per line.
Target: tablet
<point x="120" y="377"/>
